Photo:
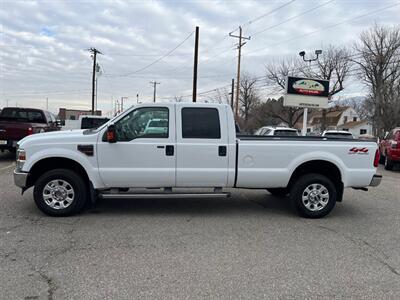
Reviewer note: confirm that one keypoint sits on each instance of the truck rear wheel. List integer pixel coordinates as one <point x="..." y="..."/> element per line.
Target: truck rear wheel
<point x="313" y="195"/>
<point x="388" y="163"/>
<point x="60" y="192"/>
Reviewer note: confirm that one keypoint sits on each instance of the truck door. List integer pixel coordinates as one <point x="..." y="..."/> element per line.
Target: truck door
<point x="144" y="154"/>
<point x="202" y="139"/>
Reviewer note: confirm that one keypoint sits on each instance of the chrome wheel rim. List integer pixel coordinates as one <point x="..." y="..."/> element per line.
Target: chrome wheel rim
<point x="58" y="194"/>
<point x="315" y="197"/>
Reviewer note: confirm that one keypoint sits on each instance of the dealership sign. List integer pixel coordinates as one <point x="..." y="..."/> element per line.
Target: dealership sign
<point x="306" y="92"/>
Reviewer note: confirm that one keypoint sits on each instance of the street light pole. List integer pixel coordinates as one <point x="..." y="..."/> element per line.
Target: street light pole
<point x="305" y="110"/>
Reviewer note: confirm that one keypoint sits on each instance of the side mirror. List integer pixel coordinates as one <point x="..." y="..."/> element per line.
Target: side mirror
<point x="111" y="135"/>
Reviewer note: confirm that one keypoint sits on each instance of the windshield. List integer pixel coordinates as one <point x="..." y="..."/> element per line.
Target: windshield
<point x="339" y="135"/>
<point x="285" y="132"/>
<point x="22" y="115"/>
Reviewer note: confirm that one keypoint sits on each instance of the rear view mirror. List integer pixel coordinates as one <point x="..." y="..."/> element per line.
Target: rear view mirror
<point x="111" y="135"/>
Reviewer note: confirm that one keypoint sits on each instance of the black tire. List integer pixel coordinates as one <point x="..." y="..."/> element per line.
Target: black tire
<point x="388" y="163"/>
<point x="382" y="159"/>
<point x="278" y="192"/>
<point x="73" y="182"/>
<point x="302" y="187"/>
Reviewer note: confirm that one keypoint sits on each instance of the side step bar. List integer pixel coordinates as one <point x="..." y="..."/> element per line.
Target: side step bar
<point x="162" y="195"/>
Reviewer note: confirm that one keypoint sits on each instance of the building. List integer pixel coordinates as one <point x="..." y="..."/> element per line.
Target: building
<point x="337" y="118"/>
<point x="357" y="128"/>
<point x="73" y="114"/>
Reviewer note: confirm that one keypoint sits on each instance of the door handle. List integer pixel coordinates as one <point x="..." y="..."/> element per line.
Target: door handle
<point x="222" y="150"/>
<point x="169" y="150"/>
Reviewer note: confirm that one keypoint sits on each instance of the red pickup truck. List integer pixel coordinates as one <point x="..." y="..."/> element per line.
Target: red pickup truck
<point x="17" y="122"/>
<point x="389" y="148"/>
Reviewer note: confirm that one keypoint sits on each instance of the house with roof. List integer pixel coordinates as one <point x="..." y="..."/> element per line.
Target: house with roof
<point x="337" y="118"/>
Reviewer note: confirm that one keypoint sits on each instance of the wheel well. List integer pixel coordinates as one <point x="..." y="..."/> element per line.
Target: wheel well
<point x="322" y="167"/>
<point x="52" y="163"/>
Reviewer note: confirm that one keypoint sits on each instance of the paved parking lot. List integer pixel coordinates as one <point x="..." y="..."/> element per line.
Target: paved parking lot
<point x="250" y="246"/>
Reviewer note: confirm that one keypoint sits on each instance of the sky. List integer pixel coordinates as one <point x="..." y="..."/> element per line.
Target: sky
<point x="44" y="46"/>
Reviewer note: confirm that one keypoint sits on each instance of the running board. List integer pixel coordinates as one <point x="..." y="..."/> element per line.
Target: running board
<point x="162" y="196"/>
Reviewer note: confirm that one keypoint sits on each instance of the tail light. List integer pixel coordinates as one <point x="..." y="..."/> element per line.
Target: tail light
<point x="30" y="130"/>
<point x="394" y="144"/>
<point x="376" y="159"/>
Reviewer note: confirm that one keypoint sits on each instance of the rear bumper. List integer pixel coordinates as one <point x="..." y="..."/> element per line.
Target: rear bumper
<point x="20" y="179"/>
<point x="376" y="180"/>
<point x="10" y="145"/>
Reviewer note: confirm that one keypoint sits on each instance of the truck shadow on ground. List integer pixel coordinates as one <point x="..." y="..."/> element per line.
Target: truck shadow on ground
<point x="7" y="156"/>
<point x="237" y="205"/>
<point x="261" y="204"/>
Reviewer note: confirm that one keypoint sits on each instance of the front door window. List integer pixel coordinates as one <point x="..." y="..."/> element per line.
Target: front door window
<point x="146" y="122"/>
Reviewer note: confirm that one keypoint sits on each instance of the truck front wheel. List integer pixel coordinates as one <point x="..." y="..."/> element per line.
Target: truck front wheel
<point x="60" y="192"/>
<point x="313" y="195"/>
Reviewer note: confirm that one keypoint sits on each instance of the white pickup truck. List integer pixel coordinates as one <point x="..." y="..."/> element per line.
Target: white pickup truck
<point x="198" y="148"/>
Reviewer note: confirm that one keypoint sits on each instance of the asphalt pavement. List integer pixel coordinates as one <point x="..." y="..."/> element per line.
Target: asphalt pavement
<point x="251" y="246"/>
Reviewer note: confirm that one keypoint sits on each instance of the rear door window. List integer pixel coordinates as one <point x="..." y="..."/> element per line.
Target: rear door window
<point x="200" y="123"/>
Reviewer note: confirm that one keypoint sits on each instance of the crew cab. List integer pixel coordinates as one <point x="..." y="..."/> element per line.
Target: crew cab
<point x="390" y="149"/>
<point x="198" y="148"/>
<point x="17" y="122"/>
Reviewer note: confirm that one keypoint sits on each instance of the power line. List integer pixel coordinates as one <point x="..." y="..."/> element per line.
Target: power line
<point x="329" y="26"/>
<point x="291" y="18"/>
<point x="157" y="60"/>
<point x="268" y="13"/>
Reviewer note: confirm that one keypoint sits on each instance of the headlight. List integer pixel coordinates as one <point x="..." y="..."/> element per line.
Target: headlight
<point x="21" y="157"/>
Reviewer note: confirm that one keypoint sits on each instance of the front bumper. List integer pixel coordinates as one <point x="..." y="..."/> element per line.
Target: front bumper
<point x="376" y="180"/>
<point x="20" y="179"/>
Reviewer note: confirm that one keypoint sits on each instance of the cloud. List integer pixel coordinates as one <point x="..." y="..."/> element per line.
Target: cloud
<point x="43" y="44"/>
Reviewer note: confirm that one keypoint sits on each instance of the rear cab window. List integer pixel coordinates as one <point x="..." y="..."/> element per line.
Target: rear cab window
<point x="200" y="123"/>
<point x="22" y="115"/>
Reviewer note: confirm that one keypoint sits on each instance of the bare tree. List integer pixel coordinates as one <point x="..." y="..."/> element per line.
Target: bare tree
<point x="248" y="98"/>
<point x="178" y="99"/>
<point x="379" y="61"/>
<point x="334" y="65"/>
<point x="276" y="76"/>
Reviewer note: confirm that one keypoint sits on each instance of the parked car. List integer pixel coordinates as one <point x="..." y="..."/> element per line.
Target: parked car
<point x="85" y="122"/>
<point x="199" y="148"/>
<point x="17" y="122"/>
<point x="338" y="134"/>
<point x="277" y="131"/>
<point x="155" y="126"/>
<point x="389" y="148"/>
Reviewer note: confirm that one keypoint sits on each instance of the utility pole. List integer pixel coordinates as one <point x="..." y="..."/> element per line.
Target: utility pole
<point x="195" y="63"/>
<point x="240" y="45"/>
<point x="122" y="103"/>
<point x="154" y="83"/>
<point x="232" y="92"/>
<point x="94" y="52"/>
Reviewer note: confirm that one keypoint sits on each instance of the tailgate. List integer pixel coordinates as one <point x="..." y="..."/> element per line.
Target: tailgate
<point x="10" y="130"/>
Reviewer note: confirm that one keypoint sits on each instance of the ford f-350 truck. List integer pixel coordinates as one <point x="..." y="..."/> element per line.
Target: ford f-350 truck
<point x="198" y="148"/>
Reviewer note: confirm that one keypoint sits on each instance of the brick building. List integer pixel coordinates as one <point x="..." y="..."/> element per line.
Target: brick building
<point x="73" y="114"/>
